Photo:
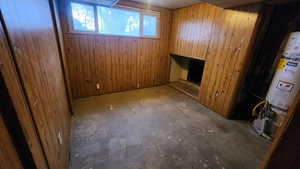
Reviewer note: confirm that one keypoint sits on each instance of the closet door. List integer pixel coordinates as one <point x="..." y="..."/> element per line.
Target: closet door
<point x="32" y="37"/>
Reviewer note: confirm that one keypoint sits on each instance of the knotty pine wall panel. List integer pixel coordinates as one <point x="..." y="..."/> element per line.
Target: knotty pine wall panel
<point x="192" y="30"/>
<point x="116" y="63"/>
<point x="221" y="37"/>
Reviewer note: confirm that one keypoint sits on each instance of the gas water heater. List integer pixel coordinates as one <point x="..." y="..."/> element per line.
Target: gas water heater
<point x="283" y="89"/>
<point x="286" y="81"/>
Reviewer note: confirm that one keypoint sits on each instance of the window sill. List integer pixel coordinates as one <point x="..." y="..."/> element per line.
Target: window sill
<point x="116" y="36"/>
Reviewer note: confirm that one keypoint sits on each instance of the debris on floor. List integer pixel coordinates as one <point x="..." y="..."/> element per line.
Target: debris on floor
<point x="166" y="133"/>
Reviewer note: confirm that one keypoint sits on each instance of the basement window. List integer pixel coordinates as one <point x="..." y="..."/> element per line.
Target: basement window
<point x="83" y="17"/>
<point x="114" y="21"/>
<point x="150" y="25"/>
<point x="119" y="21"/>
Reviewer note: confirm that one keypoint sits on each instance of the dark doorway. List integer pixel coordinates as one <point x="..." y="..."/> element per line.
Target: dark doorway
<point x="196" y="69"/>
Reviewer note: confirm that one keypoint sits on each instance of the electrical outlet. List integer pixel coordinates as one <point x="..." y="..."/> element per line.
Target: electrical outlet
<point x="98" y="86"/>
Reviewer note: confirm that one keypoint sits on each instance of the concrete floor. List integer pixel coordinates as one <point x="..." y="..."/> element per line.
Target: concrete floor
<point x="159" y="128"/>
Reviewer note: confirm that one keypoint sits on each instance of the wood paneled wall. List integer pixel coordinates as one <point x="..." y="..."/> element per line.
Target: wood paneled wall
<point x="221" y="37"/>
<point x="60" y="37"/>
<point x="36" y="57"/>
<point x="116" y="63"/>
<point x="11" y="78"/>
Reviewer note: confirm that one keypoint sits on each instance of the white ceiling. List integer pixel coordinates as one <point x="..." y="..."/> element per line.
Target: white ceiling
<point x="172" y="4"/>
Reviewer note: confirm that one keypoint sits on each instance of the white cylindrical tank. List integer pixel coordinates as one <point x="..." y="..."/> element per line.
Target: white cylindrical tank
<point x="286" y="81"/>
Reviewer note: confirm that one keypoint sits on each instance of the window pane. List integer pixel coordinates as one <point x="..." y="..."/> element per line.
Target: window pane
<point x="83" y="17"/>
<point x="150" y="25"/>
<point x="118" y="22"/>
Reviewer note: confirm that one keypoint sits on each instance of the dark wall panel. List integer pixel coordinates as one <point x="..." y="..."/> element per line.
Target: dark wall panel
<point x="33" y="40"/>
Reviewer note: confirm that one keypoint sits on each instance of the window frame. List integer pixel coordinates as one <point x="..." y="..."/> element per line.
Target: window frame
<point x="142" y="13"/>
<point x="155" y="14"/>
<point x="71" y="21"/>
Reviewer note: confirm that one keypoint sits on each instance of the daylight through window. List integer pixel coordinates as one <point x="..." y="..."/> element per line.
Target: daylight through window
<point x="114" y="21"/>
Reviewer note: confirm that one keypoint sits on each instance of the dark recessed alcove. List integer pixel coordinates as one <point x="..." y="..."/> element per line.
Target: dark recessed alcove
<point x="186" y="74"/>
<point x="196" y="68"/>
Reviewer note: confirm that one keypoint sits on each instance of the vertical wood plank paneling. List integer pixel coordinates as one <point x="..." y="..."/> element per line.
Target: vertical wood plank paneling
<point x="221" y="37"/>
<point x="58" y="27"/>
<point x="11" y="78"/>
<point x="116" y="63"/>
<point x="37" y="58"/>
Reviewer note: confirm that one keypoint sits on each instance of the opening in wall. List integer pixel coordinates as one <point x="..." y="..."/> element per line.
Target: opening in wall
<point x="195" y="73"/>
<point x="186" y="74"/>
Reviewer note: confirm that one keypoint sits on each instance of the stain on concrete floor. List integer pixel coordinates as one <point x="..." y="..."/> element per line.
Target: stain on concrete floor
<point x="159" y="128"/>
